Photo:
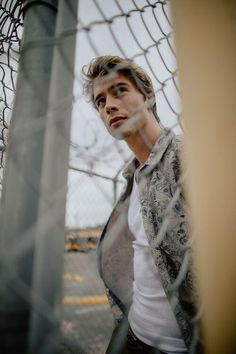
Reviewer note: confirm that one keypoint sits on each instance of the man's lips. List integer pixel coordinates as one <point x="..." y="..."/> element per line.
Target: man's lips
<point x="116" y="119"/>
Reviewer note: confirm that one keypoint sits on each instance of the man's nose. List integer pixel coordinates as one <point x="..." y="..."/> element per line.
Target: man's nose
<point x="111" y="105"/>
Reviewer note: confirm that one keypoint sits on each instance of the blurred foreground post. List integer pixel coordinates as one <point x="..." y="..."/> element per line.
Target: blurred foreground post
<point x="206" y="52"/>
<point x="50" y="228"/>
<point x="35" y="181"/>
<point x="22" y="175"/>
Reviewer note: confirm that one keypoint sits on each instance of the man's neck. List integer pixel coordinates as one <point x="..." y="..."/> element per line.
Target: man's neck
<point x="142" y="143"/>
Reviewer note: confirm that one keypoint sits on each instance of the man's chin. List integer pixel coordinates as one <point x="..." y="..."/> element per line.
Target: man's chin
<point x="120" y="135"/>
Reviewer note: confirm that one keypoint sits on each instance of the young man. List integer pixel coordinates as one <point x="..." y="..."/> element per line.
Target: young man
<point x="143" y="256"/>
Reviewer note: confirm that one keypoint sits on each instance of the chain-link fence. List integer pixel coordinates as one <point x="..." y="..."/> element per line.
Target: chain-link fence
<point x="141" y="31"/>
<point x="11" y="32"/>
<point x="102" y="27"/>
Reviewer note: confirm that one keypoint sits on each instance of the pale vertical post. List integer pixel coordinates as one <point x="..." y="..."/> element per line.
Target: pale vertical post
<point x="50" y="230"/>
<point x="205" y="34"/>
<point x="19" y="204"/>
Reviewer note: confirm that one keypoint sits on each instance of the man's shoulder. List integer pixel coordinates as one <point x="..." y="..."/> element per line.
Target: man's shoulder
<point x="175" y="147"/>
<point x="179" y="141"/>
<point x="180" y="148"/>
<point x="173" y="159"/>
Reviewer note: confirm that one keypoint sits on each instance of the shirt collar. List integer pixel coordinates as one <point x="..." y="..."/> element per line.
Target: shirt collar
<point x="155" y="156"/>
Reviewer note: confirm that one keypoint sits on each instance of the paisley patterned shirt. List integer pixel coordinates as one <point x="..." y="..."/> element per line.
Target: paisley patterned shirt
<point x="165" y="222"/>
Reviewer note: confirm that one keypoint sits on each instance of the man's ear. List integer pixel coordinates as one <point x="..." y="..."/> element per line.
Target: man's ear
<point x="151" y="99"/>
<point x="148" y="97"/>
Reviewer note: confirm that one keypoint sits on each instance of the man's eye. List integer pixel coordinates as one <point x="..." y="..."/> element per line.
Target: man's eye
<point x="100" y="103"/>
<point x="120" y="90"/>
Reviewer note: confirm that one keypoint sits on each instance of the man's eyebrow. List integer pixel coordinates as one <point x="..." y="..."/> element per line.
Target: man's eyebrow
<point x="114" y="86"/>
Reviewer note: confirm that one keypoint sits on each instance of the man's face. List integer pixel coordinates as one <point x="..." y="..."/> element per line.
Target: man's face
<point x="121" y="106"/>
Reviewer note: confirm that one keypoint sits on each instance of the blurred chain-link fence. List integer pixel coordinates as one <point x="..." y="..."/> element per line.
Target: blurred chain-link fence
<point x="141" y="31"/>
<point x="11" y="24"/>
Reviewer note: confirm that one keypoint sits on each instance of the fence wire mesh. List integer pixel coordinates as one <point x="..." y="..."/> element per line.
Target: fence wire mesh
<point x="141" y="31"/>
<point x="10" y="35"/>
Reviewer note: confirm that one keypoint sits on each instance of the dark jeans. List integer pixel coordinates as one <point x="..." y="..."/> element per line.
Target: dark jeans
<point x="124" y="341"/>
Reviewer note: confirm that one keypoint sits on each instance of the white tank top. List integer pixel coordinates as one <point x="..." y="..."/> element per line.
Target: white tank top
<point x="151" y="317"/>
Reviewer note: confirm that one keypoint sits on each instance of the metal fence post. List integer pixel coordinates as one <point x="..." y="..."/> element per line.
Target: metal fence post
<point x="50" y="232"/>
<point x="22" y="175"/>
